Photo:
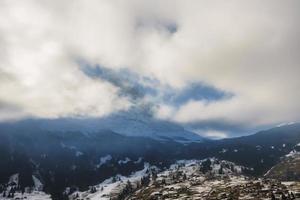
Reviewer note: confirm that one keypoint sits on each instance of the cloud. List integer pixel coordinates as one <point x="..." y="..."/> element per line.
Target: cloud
<point x="249" y="50"/>
<point x="38" y="73"/>
<point x="130" y="84"/>
<point x="212" y="134"/>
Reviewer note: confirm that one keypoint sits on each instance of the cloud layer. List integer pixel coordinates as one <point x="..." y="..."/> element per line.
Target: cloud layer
<point x="249" y="50"/>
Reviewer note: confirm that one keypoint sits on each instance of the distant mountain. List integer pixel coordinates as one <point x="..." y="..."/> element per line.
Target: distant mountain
<point x="127" y="123"/>
<point x="260" y="151"/>
<point x="288" y="134"/>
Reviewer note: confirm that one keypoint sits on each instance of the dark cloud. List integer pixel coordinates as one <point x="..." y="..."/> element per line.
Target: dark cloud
<point x="157" y="24"/>
<point x="194" y="91"/>
<point x="136" y="87"/>
<point x="130" y="84"/>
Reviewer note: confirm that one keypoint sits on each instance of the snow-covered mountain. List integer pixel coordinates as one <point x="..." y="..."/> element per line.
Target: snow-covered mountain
<point x="135" y="122"/>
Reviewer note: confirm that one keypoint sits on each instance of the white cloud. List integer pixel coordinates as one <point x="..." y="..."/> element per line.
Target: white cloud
<point x="39" y="74"/>
<point x="213" y="134"/>
<point x="247" y="48"/>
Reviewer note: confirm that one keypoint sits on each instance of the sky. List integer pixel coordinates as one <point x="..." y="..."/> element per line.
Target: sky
<point x="218" y="68"/>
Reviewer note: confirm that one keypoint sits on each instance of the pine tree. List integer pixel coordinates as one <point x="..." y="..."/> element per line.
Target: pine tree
<point x="154" y="176"/>
<point x="283" y="197"/>
<point x="292" y="195"/>
<point x="273" y="196"/>
<point x="221" y="170"/>
<point x="129" y="186"/>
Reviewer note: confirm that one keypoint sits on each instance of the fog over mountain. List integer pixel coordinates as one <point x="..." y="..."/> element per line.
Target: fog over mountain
<point x="149" y="99"/>
<point x="217" y="68"/>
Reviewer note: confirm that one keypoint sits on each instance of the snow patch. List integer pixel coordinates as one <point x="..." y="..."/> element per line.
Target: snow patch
<point x="285" y="124"/>
<point x="78" y="153"/>
<point x="138" y="160"/>
<point x="14" y="179"/>
<point x="104" y="160"/>
<point x="120" y="162"/>
<point x="38" y="186"/>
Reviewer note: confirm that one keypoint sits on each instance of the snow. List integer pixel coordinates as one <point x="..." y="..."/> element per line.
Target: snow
<point x="223" y="151"/>
<point x="104" y="160"/>
<point x="107" y="187"/>
<point x="191" y="166"/>
<point x="112" y="186"/>
<point x="198" y="183"/>
<point x="120" y="162"/>
<point x="78" y="153"/>
<point x="258" y="147"/>
<point x="37" y="183"/>
<point x="292" y="154"/>
<point x="268" y="172"/>
<point x="285" y="124"/>
<point x="288" y="183"/>
<point x="35" y="195"/>
<point x="66" y="146"/>
<point x="138" y="160"/>
<point x="14" y="179"/>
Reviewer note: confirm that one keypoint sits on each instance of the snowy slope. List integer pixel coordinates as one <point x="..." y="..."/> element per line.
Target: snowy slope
<point x="111" y="186"/>
<point x="34" y="193"/>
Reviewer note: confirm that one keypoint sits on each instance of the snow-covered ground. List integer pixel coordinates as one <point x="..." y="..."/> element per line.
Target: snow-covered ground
<point x="35" y="195"/>
<point x="185" y="180"/>
<point x="112" y="186"/>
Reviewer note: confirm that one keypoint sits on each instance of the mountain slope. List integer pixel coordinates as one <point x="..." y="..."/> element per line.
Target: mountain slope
<point x="288" y="169"/>
<point x="63" y="157"/>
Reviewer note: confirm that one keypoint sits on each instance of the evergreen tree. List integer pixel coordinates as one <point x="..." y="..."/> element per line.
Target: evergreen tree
<point x="205" y="166"/>
<point x="273" y="196"/>
<point x="154" y="176"/>
<point x="129" y="186"/>
<point x="221" y="170"/>
<point x="292" y="195"/>
<point x="283" y="197"/>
